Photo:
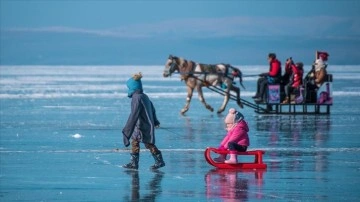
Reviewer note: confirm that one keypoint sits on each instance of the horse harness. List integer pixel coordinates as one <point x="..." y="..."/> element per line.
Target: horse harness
<point x="205" y="69"/>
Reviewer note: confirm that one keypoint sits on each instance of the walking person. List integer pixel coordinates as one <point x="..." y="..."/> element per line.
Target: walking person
<point x="140" y="126"/>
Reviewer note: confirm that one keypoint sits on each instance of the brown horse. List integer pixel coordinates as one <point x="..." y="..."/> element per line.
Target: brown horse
<point x="198" y="75"/>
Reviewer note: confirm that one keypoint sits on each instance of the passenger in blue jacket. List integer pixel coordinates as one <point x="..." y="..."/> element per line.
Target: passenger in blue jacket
<point x="140" y="126"/>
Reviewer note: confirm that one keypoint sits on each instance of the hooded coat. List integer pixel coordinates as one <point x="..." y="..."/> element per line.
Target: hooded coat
<point x="238" y="134"/>
<point x="274" y="75"/>
<point x="142" y="119"/>
<point x="296" y="78"/>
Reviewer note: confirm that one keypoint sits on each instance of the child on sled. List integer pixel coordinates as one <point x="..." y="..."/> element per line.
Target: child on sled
<point x="236" y="139"/>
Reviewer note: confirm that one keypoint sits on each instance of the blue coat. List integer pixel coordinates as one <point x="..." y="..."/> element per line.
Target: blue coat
<point x="142" y="120"/>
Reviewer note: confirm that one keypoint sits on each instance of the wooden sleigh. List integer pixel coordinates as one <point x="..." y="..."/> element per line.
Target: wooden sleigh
<point x="257" y="164"/>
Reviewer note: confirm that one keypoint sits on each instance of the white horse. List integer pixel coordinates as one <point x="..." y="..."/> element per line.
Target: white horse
<point x="198" y="75"/>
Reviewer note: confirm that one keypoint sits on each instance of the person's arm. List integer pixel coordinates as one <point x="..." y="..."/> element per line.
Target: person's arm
<point x="156" y="121"/>
<point x="265" y="74"/>
<point x="288" y="66"/>
<point x="294" y="71"/>
<point x="223" y="144"/>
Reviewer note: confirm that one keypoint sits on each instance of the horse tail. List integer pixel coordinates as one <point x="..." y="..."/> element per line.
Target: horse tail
<point x="240" y="79"/>
<point x="238" y="73"/>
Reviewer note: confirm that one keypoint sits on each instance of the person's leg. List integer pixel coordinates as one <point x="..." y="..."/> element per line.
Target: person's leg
<point x="221" y="158"/>
<point x="234" y="147"/>
<point x="287" y="94"/>
<point x="156" y="153"/>
<point x="259" y="81"/>
<point x="287" y="90"/>
<point x="135" y="148"/>
<point x="262" y="87"/>
<point x="292" y="92"/>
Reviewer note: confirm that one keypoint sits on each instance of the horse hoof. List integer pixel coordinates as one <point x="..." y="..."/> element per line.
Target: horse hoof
<point x="240" y="105"/>
<point x="210" y="109"/>
<point x="183" y="111"/>
<point x="220" y="111"/>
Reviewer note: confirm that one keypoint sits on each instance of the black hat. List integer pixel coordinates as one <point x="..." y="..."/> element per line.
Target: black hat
<point x="272" y="55"/>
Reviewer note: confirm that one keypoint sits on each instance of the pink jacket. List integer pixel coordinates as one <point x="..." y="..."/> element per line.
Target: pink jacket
<point x="238" y="134"/>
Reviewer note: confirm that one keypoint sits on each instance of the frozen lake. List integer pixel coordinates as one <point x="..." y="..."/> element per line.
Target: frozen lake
<point x="60" y="140"/>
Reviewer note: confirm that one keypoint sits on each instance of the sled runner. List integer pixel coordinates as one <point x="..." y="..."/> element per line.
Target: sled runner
<point x="257" y="164"/>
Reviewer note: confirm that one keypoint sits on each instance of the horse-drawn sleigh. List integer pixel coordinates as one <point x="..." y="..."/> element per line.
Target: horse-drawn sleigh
<point x="220" y="78"/>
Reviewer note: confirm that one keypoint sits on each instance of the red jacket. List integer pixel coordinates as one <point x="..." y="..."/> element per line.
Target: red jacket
<point x="297" y="76"/>
<point x="275" y="68"/>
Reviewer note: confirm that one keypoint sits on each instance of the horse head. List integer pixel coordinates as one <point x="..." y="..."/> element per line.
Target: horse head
<point x="171" y="65"/>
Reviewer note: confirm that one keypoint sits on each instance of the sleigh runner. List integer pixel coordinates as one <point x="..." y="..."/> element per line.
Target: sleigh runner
<point x="256" y="164"/>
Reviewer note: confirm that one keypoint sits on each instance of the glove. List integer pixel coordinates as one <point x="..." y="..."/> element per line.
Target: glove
<point x="263" y="74"/>
<point x="221" y="147"/>
<point x="157" y="124"/>
<point x="125" y="140"/>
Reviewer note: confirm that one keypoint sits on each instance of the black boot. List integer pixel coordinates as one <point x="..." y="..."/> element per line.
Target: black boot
<point x="159" y="162"/>
<point x="134" y="164"/>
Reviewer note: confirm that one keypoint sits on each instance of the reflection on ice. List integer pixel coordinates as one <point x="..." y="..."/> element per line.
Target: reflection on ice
<point x="294" y="131"/>
<point x="307" y="133"/>
<point x="149" y="193"/>
<point x="231" y="185"/>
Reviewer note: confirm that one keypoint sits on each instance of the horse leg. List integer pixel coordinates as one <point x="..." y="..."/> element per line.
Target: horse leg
<point x="201" y="98"/>
<point x="237" y="91"/>
<point x="188" y="100"/>
<point x="226" y="100"/>
<point x="227" y="97"/>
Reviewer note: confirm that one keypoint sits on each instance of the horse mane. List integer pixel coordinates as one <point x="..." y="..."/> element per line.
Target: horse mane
<point x="178" y="60"/>
<point x="185" y="66"/>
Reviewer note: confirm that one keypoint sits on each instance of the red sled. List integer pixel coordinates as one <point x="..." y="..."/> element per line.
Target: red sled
<point x="257" y="164"/>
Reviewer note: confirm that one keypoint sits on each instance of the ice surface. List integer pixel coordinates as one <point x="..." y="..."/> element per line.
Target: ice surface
<point x="60" y="140"/>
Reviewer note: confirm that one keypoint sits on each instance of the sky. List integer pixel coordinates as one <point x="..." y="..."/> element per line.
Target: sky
<point x="134" y="32"/>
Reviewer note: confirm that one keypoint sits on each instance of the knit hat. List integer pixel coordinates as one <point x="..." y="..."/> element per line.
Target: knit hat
<point x="323" y="55"/>
<point x="319" y="64"/>
<point x="134" y="84"/>
<point x="300" y="65"/>
<point x="233" y="116"/>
